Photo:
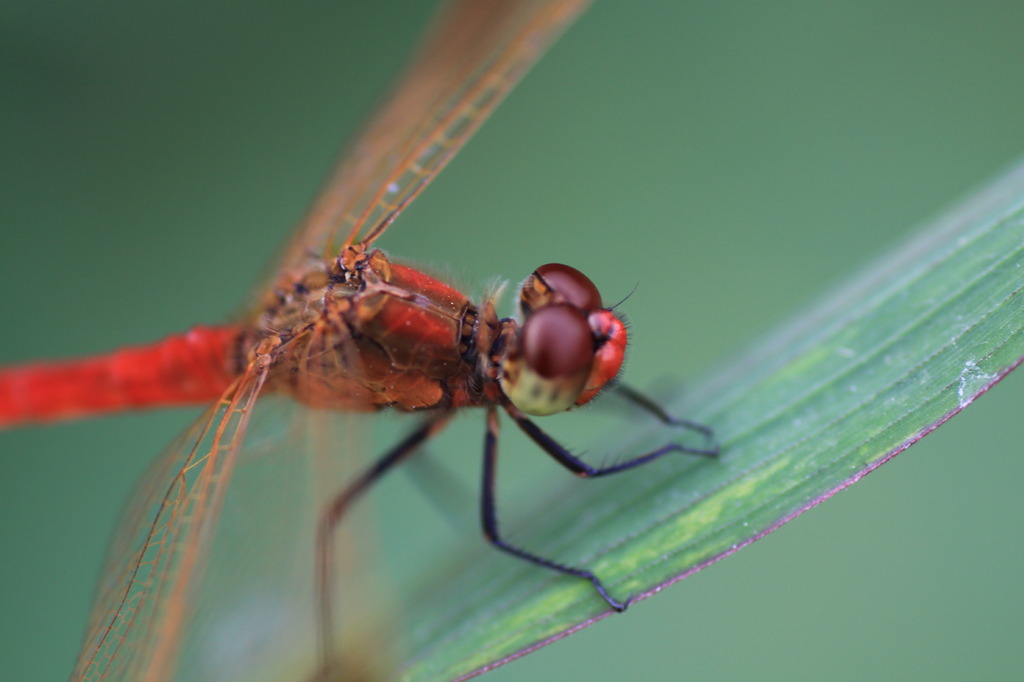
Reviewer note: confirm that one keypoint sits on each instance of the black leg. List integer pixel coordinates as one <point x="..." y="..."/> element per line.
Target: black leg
<point x="581" y="468"/>
<point x="333" y="513"/>
<point x="489" y="518"/>
<point x="645" y="403"/>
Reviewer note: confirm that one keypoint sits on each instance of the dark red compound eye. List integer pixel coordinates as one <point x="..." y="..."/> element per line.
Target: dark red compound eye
<point x="569" y="285"/>
<point x="557" y="343"/>
<point x="547" y="368"/>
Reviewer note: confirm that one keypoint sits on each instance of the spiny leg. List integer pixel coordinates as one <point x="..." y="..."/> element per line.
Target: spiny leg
<point x="335" y="510"/>
<point x="647" y="404"/>
<point x="489" y="518"/>
<point x="577" y="466"/>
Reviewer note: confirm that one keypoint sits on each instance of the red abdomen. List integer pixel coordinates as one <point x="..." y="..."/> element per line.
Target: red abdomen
<point x="194" y="367"/>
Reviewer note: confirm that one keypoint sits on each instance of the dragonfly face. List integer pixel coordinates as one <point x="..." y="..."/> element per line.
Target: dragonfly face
<point x="569" y="347"/>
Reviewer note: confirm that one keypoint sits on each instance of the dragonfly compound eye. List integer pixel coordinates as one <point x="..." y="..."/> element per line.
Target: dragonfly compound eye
<point x="610" y="339"/>
<point x="557" y="283"/>
<point x="549" y="367"/>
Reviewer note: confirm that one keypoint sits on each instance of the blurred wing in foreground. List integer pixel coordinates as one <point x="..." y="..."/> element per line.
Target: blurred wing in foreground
<point x="475" y="53"/>
<point x="163" y="539"/>
<point x="211" y="581"/>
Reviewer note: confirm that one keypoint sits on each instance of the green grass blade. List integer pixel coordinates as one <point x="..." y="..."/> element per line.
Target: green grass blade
<point x="833" y="394"/>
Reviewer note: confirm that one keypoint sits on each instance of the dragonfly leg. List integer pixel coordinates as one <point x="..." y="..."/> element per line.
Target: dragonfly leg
<point x="577" y="466"/>
<point x="489" y="519"/>
<point x="335" y="510"/>
<point x="650" y="406"/>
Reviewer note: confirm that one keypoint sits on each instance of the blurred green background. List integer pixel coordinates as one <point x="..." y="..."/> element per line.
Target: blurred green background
<point x="735" y="159"/>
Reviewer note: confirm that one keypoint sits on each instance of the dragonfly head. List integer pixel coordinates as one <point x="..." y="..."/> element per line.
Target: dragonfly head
<point x="569" y="345"/>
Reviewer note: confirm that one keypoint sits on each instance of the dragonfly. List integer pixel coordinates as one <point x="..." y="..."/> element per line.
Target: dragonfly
<point x="340" y="327"/>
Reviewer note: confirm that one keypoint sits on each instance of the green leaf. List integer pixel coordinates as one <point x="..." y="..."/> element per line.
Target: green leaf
<point x="830" y="396"/>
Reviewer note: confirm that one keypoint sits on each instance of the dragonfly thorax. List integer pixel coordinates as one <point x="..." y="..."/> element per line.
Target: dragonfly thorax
<point x="372" y="334"/>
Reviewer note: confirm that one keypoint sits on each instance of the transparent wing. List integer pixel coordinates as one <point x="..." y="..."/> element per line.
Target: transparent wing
<point x="211" y="581"/>
<point x="139" y="608"/>
<point x="476" y="51"/>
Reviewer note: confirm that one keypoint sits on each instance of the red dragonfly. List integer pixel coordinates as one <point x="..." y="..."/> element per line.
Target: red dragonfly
<point x="341" y="327"/>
